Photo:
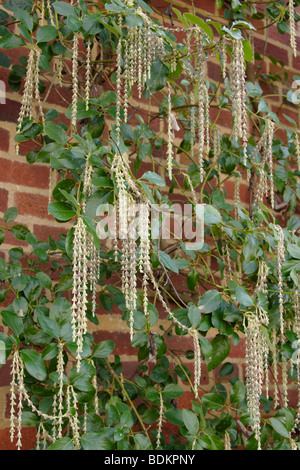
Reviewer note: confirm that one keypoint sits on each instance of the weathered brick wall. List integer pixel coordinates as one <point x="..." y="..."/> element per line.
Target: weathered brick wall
<point x="26" y="187"/>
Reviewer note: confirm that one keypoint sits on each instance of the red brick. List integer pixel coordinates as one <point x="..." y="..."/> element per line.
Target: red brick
<point x="5" y="376"/>
<point x="214" y="71"/>
<point x="4" y="73"/>
<point x="180" y="343"/>
<point x="28" y="439"/>
<point x="28" y="146"/>
<point x="209" y="6"/>
<point x="42" y="232"/>
<point x="224" y="117"/>
<point x="185" y="400"/>
<point x="271" y="49"/>
<point x="129" y="369"/>
<point x="238" y="350"/>
<point x="9" y="112"/>
<point x="4" y="139"/>
<point x="284" y="39"/>
<point x="36" y="176"/>
<point x="61" y="96"/>
<point x="121" y="340"/>
<point x="3" y="199"/>
<point x="15" y="54"/>
<point x="230" y="188"/>
<point x="115" y="309"/>
<point x="32" y="204"/>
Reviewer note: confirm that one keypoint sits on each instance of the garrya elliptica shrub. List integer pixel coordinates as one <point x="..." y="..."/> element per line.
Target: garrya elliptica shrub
<point x="120" y="250"/>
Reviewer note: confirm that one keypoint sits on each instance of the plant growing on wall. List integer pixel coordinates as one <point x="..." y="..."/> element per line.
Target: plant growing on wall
<point x="240" y="264"/>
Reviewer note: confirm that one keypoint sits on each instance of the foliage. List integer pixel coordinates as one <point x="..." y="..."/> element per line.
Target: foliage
<point x="93" y="406"/>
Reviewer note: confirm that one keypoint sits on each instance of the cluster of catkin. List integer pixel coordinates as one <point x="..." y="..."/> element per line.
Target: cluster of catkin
<point x="31" y="90"/>
<point x="292" y="27"/>
<point x="194" y="68"/>
<point x="239" y="105"/>
<point x="86" y="266"/>
<point x="134" y="57"/>
<point x="264" y="146"/>
<point x="256" y="368"/>
<point x="133" y="221"/>
<point x="134" y="234"/>
<point x="257" y="351"/>
<point x="64" y="414"/>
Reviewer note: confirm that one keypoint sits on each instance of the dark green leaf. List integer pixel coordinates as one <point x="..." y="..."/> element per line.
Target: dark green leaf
<point x="63" y="8"/>
<point x="103" y="349"/>
<point x="46" y="33"/>
<point x="210" y="301"/>
<point x="154" y="178"/>
<point x="11" y="41"/>
<point x="167" y="261"/>
<point x="10" y="214"/>
<point x="220" y="350"/>
<point x="65" y="443"/>
<point x="61" y="211"/>
<point x="193" y="19"/>
<point x="279" y="427"/>
<point x="191" y="421"/>
<point x="238" y="392"/>
<point x="34" y="364"/>
<point x="25" y="18"/>
<point x="56" y="133"/>
<point x="174" y="415"/>
<point x="49" y="326"/>
<point x="13" y="321"/>
<point x="211" y="215"/>
<point x="172" y="391"/>
<point x="213" y="401"/>
<point x="158" y="76"/>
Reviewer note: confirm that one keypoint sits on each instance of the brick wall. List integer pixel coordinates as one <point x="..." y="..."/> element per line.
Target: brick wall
<point x="26" y="187"/>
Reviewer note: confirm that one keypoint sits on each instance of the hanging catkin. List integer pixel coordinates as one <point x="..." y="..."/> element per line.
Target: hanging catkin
<point x="297" y="142"/>
<point x="119" y="91"/>
<point x="144" y="254"/>
<point x="170" y="135"/>
<point x="132" y="253"/>
<point x="239" y="108"/>
<point x="237" y="201"/>
<point x="280" y="260"/>
<point x="227" y="445"/>
<point x="200" y="60"/>
<point x="60" y="394"/>
<point x="296" y="359"/>
<point x="160" y="420"/>
<point x="126" y="81"/>
<point x="88" y="74"/>
<point x="224" y="56"/>
<point x="269" y="157"/>
<point x="27" y="102"/>
<point x="192" y="123"/>
<point x="37" y="91"/>
<point x="74" y="80"/>
<point x="79" y="291"/>
<point x="50" y="13"/>
<point x="256" y="347"/>
<point x="292" y="27"/>
<point x="17" y="396"/>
